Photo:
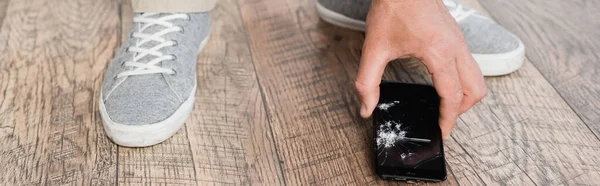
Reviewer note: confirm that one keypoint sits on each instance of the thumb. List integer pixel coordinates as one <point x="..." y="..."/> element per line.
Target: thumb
<point x="372" y="65"/>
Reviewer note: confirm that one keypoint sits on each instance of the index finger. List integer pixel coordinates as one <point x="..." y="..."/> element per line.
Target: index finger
<point x="372" y="66"/>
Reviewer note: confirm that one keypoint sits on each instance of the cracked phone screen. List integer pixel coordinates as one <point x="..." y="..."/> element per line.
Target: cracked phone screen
<point x="407" y="134"/>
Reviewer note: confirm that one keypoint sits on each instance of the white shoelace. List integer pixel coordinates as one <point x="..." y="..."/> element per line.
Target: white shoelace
<point x="143" y="38"/>
<point x="458" y="11"/>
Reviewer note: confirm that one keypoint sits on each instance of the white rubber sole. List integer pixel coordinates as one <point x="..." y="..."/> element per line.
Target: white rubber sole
<point x="148" y="134"/>
<point x="490" y="64"/>
<point x="339" y="19"/>
<point x="501" y="64"/>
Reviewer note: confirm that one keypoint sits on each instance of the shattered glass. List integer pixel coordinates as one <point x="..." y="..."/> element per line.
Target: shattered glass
<point x="407" y="136"/>
<point x="404" y="137"/>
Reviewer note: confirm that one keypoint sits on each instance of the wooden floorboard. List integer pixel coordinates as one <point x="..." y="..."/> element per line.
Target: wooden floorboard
<point x="541" y="139"/>
<point x="307" y="68"/>
<point x="505" y="139"/>
<point x="522" y="133"/>
<point x="230" y="132"/>
<point x="53" y="55"/>
<point x="562" y="41"/>
<point x="320" y="138"/>
<point x="275" y="103"/>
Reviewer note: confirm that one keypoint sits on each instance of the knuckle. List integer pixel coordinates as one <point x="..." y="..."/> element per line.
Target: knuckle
<point x="481" y="92"/>
<point x="440" y="50"/>
<point x="478" y="93"/>
<point x="441" y="54"/>
<point x="458" y="96"/>
<point x="455" y="97"/>
<point x="443" y="44"/>
<point x="360" y="87"/>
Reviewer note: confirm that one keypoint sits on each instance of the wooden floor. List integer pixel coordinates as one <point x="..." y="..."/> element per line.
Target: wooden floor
<point x="275" y="103"/>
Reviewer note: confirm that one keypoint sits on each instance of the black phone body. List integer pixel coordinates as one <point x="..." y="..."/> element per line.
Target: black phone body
<point x="408" y="139"/>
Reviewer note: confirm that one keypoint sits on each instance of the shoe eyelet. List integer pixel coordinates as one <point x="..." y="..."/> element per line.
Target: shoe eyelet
<point x="116" y="77"/>
<point x="181" y="30"/>
<point x="175" y="43"/>
<point x="127" y="50"/>
<point x="174" y="72"/>
<point x="189" y="18"/>
<point x="123" y="64"/>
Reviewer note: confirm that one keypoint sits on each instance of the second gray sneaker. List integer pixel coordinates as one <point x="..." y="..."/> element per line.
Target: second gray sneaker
<point x="496" y="50"/>
<point x="148" y="89"/>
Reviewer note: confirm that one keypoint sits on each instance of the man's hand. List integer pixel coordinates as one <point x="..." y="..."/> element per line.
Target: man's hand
<point x="423" y="29"/>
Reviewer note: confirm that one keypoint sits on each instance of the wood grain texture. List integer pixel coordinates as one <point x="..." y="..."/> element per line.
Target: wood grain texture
<point x="524" y="133"/>
<point x="230" y="133"/>
<point x="275" y="103"/>
<point x="306" y="69"/>
<point x="561" y="39"/>
<point x="516" y="136"/>
<point x="53" y="53"/>
<point x="3" y="6"/>
<point x="320" y="137"/>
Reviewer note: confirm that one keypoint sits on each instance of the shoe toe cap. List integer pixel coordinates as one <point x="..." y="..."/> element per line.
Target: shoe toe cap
<point x="484" y="36"/>
<point x="140" y="102"/>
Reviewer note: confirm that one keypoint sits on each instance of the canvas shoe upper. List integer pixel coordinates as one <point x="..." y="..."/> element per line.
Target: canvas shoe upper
<point x="149" y="86"/>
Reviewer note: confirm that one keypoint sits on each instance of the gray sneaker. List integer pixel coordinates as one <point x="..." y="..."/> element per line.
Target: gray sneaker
<point x="148" y="89"/>
<point x="496" y="50"/>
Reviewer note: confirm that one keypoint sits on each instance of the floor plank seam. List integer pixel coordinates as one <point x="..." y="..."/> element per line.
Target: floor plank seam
<point x="3" y="12"/>
<point x="453" y="175"/>
<point x="192" y="154"/>
<point x="264" y="99"/>
<point x="469" y="155"/>
<point x="267" y="113"/>
<point x="572" y="109"/>
<point x="117" y="168"/>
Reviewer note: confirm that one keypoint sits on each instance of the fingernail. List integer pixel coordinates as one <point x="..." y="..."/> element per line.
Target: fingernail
<point x="363" y="110"/>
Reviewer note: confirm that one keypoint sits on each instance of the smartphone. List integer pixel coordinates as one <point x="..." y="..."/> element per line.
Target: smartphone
<point x="408" y="138"/>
